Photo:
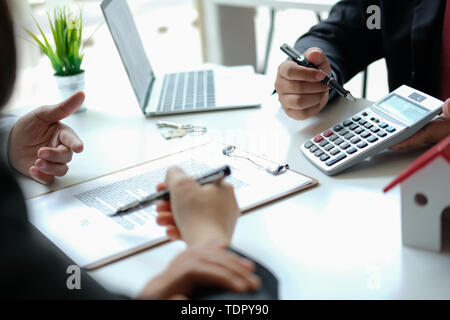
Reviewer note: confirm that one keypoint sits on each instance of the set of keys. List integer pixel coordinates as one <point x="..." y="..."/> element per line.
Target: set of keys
<point x="179" y="130"/>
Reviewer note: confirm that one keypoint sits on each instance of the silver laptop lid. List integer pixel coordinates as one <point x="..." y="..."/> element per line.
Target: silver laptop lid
<point x="126" y="37"/>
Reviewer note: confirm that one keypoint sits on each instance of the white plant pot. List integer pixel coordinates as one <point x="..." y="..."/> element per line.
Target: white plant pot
<point x="69" y="85"/>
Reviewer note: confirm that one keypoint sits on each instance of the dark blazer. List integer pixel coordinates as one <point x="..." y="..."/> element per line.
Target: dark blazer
<point x="31" y="267"/>
<point x="410" y="40"/>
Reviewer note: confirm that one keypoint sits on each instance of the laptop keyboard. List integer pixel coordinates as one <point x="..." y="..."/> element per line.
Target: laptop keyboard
<point x="187" y="91"/>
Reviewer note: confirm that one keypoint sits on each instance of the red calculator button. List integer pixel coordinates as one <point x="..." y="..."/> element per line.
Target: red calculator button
<point x="318" y="138"/>
<point x="328" y="133"/>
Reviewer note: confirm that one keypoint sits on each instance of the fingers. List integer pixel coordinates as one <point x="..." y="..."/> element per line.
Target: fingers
<point x="61" y="154"/>
<point x="303" y="101"/>
<point x="291" y="71"/>
<point x="165" y="219"/>
<point x="299" y="113"/>
<point x="163" y="206"/>
<point x="176" y="178"/>
<point x="173" y="233"/>
<point x="41" y="177"/>
<point x="432" y="133"/>
<point x="300" y="87"/>
<point x="161" y="186"/>
<point x="70" y="139"/>
<point x="50" y="168"/>
<point x="300" y="90"/>
<point x="227" y="271"/>
<point x="52" y="114"/>
<point x="446" y="108"/>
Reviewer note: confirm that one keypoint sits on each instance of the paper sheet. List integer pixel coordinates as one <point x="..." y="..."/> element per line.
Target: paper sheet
<point x="76" y="218"/>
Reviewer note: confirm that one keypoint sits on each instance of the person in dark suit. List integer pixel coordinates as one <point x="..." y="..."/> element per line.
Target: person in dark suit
<point x="33" y="268"/>
<point x="414" y="38"/>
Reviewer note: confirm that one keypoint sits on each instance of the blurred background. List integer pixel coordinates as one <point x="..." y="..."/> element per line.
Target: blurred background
<point x="182" y="34"/>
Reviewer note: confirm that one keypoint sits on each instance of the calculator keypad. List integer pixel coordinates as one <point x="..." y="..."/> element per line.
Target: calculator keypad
<point x="348" y="138"/>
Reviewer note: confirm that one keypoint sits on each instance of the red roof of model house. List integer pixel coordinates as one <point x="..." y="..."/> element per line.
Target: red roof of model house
<point x="441" y="149"/>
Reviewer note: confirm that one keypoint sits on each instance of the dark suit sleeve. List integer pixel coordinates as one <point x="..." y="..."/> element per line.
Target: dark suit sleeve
<point x="31" y="266"/>
<point x="345" y="38"/>
<point x="267" y="291"/>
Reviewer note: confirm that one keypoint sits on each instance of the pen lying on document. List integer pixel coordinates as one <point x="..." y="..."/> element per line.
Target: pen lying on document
<point x="301" y="60"/>
<point x="214" y="176"/>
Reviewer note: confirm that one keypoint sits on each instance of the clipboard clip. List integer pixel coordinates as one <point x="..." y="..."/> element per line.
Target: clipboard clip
<point x="273" y="170"/>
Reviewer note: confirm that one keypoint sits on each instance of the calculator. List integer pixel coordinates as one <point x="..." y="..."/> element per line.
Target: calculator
<point x="390" y="120"/>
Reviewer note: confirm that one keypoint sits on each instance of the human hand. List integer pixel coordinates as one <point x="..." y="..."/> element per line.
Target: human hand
<point x="300" y="90"/>
<point x="432" y="133"/>
<point x="197" y="214"/>
<point x="40" y="146"/>
<point x="202" y="266"/>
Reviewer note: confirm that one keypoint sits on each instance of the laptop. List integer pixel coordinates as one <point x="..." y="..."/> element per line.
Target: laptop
<point x="181" y="92"/>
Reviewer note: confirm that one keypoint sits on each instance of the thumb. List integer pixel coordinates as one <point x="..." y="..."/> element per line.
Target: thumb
<point x="51" y="114"/>
<point x="317" y="57"/>
<point x="446" y="109"/>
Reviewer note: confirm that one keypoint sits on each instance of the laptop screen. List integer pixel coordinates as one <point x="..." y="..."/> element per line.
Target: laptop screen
<point x="131" y="51"/>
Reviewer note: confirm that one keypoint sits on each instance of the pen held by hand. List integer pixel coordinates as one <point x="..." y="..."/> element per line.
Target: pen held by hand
<point x="301" y="60"/>
<point x="214" y="176"/>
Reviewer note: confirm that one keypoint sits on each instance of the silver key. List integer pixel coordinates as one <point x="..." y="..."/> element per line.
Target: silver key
<point x="187" y="127"/>
<point x="167" y="124"/>
<point x="172" y="134"/>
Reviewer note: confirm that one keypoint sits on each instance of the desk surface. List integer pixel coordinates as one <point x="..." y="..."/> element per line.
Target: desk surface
<point x="339" y="240"/>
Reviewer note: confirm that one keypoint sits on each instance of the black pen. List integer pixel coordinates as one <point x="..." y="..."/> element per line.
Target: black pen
<point x="301" y="60"/>
<point x="214" y="176"/>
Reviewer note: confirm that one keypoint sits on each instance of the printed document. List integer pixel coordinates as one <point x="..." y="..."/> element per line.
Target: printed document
<point x="77" y="218"/>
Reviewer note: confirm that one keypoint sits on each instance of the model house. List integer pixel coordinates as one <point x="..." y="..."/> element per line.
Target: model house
<point x="425" y="197"/>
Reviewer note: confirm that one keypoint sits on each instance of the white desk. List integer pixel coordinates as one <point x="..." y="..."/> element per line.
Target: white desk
<point x="228" y="29"/>
<point x="339" y="240"/>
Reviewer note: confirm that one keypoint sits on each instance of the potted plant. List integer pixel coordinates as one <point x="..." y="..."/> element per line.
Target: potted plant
<point x="66" y="56"/>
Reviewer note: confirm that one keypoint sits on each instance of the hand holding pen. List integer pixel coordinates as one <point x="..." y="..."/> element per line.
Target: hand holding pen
<point x="303" y="85"/>
<point x="197" y="213"/>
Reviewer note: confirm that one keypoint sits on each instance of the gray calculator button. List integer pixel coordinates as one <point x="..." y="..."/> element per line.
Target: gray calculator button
<point x="347" y="123"/>
<point x="318" y="153"/>
<point x="359" y="130"/>
<point x="362" y="122"/>
<point x="329" y="147"/>
<point x="390" y="129"/>
<point x="334" y="152"/>
<point x="372" y="139"/>
<point x="345" y="145"/>
<point x="383" y="125"/>
<point x="356" y="118"/>
<point x="336" y="159"/>
<point x="313" y="149"/>
<point x="382" y="134"/>
<point x="355" y="140"/>
<point x="324" y="157"/>
<point x="343" y="132"/>
<point x="337" y="128"/>
<point x="353" y="126"/>
<point x="365" y="134"/>
<point x="374" y="129"/>
<point x="349" y="135"/>
<point x="338" y="141"/>
<point x="352" y="150"/>
<point x="368" y="125"/>
<point x="323" y="143"/>
<point x="333" y="137"/>
<point x="309" y="144"/>
<point x="362" y="144"/>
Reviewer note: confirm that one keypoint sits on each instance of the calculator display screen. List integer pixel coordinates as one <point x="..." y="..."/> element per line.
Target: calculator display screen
<point x="402" y="109"/>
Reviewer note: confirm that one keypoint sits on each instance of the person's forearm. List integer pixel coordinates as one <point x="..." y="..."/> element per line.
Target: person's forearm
<point x="6" y="124"/>
<point x="344" y="37"/>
